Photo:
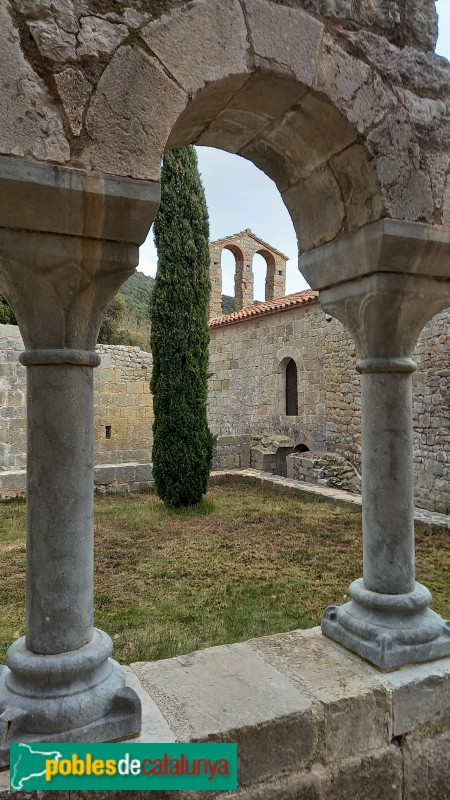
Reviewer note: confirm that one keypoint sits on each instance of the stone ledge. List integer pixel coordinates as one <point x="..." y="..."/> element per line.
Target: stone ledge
<point x="120" y="478"/>
<point x="432" y="519"/>
<point x="312" y="721"/>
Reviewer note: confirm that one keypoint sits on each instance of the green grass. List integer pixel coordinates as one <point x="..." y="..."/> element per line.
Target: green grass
<point x="244" y="562"/>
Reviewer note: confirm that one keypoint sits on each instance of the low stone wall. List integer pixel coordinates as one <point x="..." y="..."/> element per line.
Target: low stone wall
<point x="232" y="452"/>
<point x="312" y="721"/>
<point x="325" y="469"/>
<point x="108" y="478"/>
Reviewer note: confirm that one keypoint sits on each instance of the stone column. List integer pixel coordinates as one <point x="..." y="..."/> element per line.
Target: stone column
<point x="68" y="240"/>
<point x="243" y="279"/>
<point x="275" y="276"/>
<point x="215" y="276"/>
<point x="384" y="283"/>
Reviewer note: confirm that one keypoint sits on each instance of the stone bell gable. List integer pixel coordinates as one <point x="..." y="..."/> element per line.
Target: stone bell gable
<point x="244" y="246"/>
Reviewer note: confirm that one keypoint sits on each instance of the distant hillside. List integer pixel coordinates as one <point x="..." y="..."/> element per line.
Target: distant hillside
<point x="227" y="304"/>
<point x="136" y="292"/>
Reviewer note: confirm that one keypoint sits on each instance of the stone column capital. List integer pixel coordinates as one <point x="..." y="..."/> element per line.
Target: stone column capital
<point x="383" y="283"/>
<point x="68" y="240"/>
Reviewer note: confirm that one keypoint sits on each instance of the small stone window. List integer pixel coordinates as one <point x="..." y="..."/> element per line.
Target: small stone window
<point x="291" y="389"/>
<point x="108" y="431"/>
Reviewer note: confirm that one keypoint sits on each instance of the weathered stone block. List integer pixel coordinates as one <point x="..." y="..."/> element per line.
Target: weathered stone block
<point x="427" y="767"/>
<point x="300" y="34"/>
<point x="259" y="707"/>
<point x="356" y="707"/>
<point x="378" y="776"/>
<point x="300" y="201"/>
<point x="420" y="695"/>
<point x="217" y="40"/>
<point x="131" y="136"/>
<point x="30" y="123"/>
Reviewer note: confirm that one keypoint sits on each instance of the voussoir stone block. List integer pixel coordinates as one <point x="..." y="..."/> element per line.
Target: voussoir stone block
<point x="339" y="74"/>
<point x="29" y="122"/>
<point x="217" y="42"/>
<point x="352" y="86"/>
<point x="284" y="39"/>
<point x="359" y="186"/>
<point x="301" y="202"/>
<point x="128" y="133"/>
<point x="406" y="188"/>
<point x="312" y="133"/>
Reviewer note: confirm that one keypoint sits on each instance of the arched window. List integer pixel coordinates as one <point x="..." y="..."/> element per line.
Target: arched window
<point x="291" y="389"/>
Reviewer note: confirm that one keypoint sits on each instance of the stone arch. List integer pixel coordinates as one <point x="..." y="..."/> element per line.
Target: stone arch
<point x="291" y="388"/>
<point x="275" y="273"/>
<point x="244" y="246"/>
<point x="342" y="119"/>
<point x="282" y="359"/>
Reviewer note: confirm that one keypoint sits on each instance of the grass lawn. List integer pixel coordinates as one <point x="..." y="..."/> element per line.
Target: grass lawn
<point x="245" y="562"/>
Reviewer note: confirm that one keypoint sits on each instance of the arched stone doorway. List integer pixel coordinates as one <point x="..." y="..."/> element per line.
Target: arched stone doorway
<point x="352" y="129"/>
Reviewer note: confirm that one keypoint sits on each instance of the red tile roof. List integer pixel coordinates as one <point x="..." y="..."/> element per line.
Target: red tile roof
<point x="269" y="307"/>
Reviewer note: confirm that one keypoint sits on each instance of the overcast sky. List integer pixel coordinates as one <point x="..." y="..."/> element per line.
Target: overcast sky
<point x="240" y="196"/>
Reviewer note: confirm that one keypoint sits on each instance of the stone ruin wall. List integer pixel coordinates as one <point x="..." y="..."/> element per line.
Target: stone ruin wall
<point x="122" y="402"/>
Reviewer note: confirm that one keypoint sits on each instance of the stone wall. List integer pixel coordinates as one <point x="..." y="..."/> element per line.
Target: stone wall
<point x="13" y="416"/>
<point x="247" y="389"/>
<point x="246" y="399"/>
<point x="431" y="415"/>
<point x="123" y="404"/>
<point x="248" y="361"/>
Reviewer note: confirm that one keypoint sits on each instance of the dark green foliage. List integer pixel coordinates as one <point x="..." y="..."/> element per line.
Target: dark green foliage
<point x="120" y="325"/>
<point x="227" y="304"/>
<point x="137" y="291"/>
<point x="182" y="442"/>
<point x="7" y="316"/>
<point x="112" y="321"/>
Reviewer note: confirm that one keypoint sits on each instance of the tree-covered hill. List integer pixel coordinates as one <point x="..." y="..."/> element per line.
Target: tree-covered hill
<point x="137" y="291"/>
<point x="227" y="304"/>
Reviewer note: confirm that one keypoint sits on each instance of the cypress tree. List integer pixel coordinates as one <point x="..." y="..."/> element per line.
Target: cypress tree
<point x="182" y="442"/>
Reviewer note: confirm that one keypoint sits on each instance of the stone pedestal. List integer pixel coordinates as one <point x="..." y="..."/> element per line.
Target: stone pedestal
<point x="67" y="242"/>
<point x="384" y="283"/>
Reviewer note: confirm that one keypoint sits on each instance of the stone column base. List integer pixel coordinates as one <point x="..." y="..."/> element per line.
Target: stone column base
<point x="78" y="696"/>
<point x="386" y="629"/>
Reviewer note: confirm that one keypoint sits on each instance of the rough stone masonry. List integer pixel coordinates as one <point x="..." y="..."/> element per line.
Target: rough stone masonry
<point x="346" y="106"/>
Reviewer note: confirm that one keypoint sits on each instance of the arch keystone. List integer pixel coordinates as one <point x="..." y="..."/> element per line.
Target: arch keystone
<point x="201" y="43"/>
<point x="285" y="39"/>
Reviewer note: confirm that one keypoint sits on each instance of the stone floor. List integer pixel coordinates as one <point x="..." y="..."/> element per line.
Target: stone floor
<point x="431" y="518"/>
